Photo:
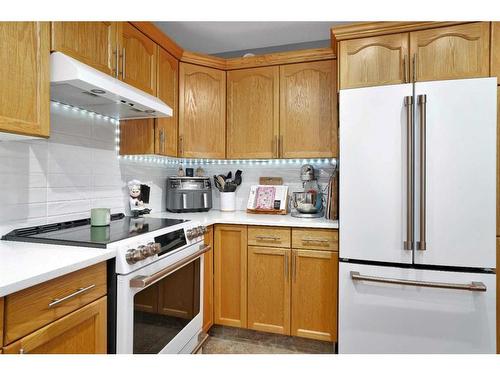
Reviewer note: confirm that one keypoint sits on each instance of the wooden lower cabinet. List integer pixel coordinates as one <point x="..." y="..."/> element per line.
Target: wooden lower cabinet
<point x="1" y="322"/>
<point x="269" y="289"/>
<point x="81" y="332"/>
<point x="208" y="282"/>
<point x="314" y="294"/>
<point x="230" y="275"/>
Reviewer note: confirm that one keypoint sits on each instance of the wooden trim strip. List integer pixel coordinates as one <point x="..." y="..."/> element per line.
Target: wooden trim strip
<point x="280" y="58"/>
<point x="367" y="29"/>
<point x="203" y="60"/>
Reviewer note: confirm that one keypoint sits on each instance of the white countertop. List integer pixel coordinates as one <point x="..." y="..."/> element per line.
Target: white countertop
<point x="24" y="264"/>
<point x="243" y="218"/>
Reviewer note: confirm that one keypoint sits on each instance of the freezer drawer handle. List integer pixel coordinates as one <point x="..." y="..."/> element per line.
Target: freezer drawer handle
<point x="473" y="286"/>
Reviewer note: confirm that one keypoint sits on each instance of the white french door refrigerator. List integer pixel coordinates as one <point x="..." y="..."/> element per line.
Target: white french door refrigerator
<point x="417" y="218"/>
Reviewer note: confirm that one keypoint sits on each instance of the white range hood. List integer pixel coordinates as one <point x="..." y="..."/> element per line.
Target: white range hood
<point x="79" y="85"/>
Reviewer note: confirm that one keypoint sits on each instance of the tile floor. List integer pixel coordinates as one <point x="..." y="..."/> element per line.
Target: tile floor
<point x="228" y="340"/>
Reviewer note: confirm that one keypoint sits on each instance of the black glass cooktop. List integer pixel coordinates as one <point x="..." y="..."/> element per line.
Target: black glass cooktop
<point x="81" y="233"/>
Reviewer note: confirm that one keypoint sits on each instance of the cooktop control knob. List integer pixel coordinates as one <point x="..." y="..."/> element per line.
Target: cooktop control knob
<point x="135" y="255"/>
<point x="191" y="234"/>
<point x="153" y="248"/>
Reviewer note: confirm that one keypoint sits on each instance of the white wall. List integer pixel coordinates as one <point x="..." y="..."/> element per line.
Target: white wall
<point x="76" y="169"/>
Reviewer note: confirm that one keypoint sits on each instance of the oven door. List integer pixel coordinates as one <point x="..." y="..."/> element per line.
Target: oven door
<point x="160" y="306"/>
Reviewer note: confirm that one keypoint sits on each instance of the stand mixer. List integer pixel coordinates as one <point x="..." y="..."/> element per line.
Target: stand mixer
<point x="309" y="203"/>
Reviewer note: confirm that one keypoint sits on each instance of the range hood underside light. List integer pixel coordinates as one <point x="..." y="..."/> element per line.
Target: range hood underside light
<point x="78" y="85"/>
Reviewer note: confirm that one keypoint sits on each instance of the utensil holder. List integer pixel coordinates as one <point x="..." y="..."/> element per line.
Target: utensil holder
<point x="228" y="201"/>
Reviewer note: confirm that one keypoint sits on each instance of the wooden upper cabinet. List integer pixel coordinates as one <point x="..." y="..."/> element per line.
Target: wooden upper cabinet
<point x="202" y="112"/>
<point x="375" y="61"/>
<point x="168" y="90"/>
<point x="454" y="52"/>
<point x="230" y="275"/>
<point x="495" y="50"/>
<point x="138" y="58"/>
<point x="269" y="289"/>
<point x="253" y="113"/>
<point x="93" y="43"/>
<point x="24" y="77"/>
<point x="81" y="332"/>
<point x="308" y="110"/>
<point x="314" y="294"/>
<point x="137" y="137"/>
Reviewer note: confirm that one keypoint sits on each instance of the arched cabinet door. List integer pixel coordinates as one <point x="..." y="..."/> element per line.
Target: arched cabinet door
<point x="138" y="56"/>
<point x="202" y="112"/>
<point x="308" y="110"/>
<point x="253" y="113"/>
<point x="455" y="52"/>
<point x="375" y="61"/>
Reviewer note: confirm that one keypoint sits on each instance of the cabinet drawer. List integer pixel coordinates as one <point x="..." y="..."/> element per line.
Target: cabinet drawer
<point x="269" y="236"/>
<point x="315" y="239"/>
<point x="32" y="308"/>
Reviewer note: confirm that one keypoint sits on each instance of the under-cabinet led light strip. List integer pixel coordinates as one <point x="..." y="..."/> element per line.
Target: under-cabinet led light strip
<point x="166" y="160"/>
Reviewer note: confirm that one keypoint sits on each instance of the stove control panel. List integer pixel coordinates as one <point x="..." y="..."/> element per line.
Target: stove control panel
<point x="196" y="232"/>
<point x="139" y="251"/>
<point x="133" y="256"/>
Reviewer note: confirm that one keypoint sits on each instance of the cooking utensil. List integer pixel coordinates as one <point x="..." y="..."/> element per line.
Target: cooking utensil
<point x="237" y="177"/>
<point x="222" y="181"/>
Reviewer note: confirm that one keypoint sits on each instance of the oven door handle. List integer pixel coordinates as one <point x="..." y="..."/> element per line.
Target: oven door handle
<point x="144" y="281"/>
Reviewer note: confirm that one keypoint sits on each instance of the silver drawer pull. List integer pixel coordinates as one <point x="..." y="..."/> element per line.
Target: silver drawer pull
<point x="267" y="238"/>
<point x="315" y="240"/>
<point x="57" y="301"/>
<point x="474" y="286"/>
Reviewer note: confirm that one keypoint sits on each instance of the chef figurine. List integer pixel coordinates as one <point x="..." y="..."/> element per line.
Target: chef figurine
<point x="136" y="199"/>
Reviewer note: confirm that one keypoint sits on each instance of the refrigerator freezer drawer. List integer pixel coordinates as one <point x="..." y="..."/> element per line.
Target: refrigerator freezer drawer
<point x="380" y="317"/>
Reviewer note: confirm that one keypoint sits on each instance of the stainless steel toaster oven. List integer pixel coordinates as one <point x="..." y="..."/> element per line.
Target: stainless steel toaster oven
<point x="189" y="194"/>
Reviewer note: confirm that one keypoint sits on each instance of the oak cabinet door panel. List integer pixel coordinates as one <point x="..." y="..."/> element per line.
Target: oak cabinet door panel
<point x="375" y="61"/>
<point x="253" y="113"/>
<point x="202" y="112"/>
<point x="138" y="58"/>
<point x="308" y="110"/>
<point x="269" y="289"/>
<point x="24" y="77"/>
<point x="166" y="137"/>
<point x="454" y="52"/>
<point x="93" y="43"/>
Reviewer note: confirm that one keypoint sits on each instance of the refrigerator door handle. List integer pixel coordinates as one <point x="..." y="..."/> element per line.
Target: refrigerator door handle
<point x="474" y="286"/>
<point x="422" y="102"/>
<point x="410" y="162"/>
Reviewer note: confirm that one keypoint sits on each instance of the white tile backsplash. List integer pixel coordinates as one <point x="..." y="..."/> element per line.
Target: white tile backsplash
<point x="76" y="169"/>
<point x="63" y="177"/>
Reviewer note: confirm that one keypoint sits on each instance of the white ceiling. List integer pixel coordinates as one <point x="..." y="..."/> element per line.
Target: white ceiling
<point x="218" y="37"/>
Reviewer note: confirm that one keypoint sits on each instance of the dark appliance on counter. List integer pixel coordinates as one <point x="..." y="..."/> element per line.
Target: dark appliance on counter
<point x="189" y="194"/>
